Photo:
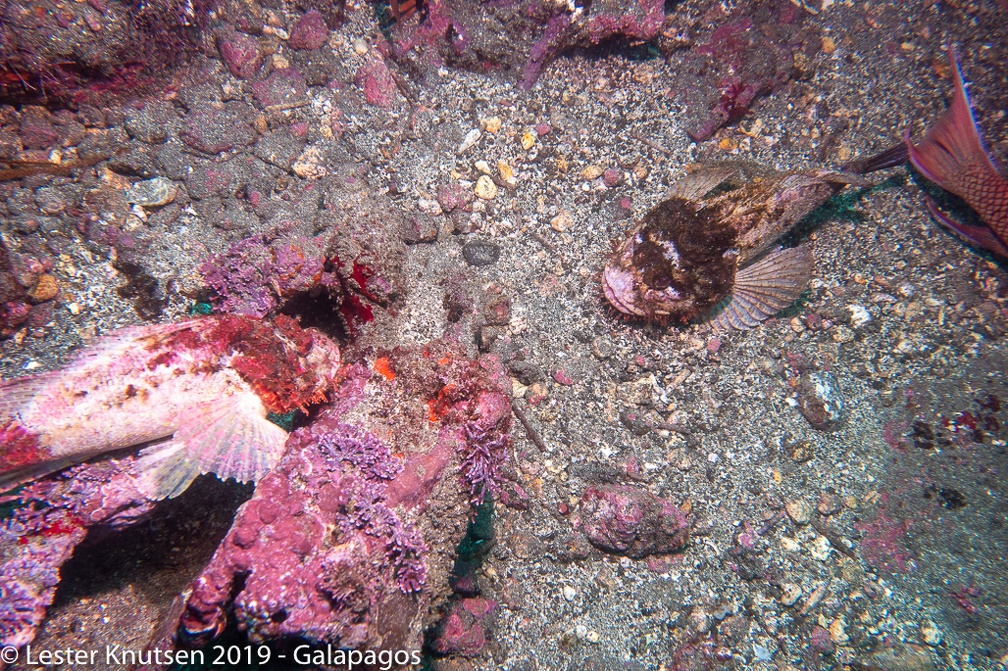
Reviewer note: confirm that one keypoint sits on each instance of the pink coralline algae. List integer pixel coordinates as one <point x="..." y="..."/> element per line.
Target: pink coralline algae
<point x="884" y="544"/>
<point x="378" y="83"/>
<point x="241" y="54"/>
<point x="350" y="540"/>
<point x="346" y="541"/>
<point x="56" y="515"/>
<point x="631" y="521"/>
<point x="522" y="37"/>
<point x="466" y="628"/>
<point x="258" y="277"/>
<point x="253" y="277"/>
<point x="26" y="291"/>
<point x="310" y="31"/>
<point x="747" y="57"/>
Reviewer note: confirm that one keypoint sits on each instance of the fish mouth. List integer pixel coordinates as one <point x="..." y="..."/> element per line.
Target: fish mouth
<point x="618" y="287"/>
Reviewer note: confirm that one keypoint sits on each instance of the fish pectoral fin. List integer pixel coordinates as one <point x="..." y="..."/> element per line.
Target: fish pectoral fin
<point x="230" y="439"/>
<point x="981" y="236"/>
<point x="764" y="288"/>
<point x="695" y="185"/>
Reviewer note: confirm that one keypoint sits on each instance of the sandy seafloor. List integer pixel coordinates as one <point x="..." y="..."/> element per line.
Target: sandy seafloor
<point x="928" y="587"/>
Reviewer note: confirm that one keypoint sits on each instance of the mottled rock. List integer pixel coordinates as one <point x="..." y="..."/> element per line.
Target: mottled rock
<point x="211" y="130"/>
<point x="821" y="400"/>
<point x="279" y="148"/>
<point x="631" y="521"/>
<point x="284" y="89"/>
<point x="481" y="253"/>
<point x="310" y="32"/>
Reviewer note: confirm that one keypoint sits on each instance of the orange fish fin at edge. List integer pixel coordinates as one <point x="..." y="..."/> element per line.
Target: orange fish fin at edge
<point x="953" y="142"/>
<point x="764" y="288"/>
<point x="981" y="236"/>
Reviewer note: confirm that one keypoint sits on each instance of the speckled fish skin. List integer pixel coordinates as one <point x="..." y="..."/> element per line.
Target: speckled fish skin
<point x="952" y="155"/>
<point x="196" y="393"/>
<point x="682" y="259"/>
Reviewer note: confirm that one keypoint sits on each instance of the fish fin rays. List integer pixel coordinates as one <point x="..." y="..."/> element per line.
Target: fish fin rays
<point x="952" y="143"/>
<point x="695" y="185"/>
<point x="15" y="394"/>
<point x="981" y="236"/>
<point x="22" y="476"/>
<point x="764" y="288"/>
<point x="230" y="440"/>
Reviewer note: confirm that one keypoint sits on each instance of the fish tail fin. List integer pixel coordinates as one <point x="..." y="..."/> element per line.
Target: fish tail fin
<point x="953" y="146"/>
<point x="231" y="439"/>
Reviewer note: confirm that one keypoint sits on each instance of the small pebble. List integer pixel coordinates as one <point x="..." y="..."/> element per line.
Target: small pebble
<point x="562" y="221"/>
<point x="492" y="125"/>
<point x="527" y="140"/>
<point x="592" y="172"/>
<point x="44" y="290"/>
<point x="485" y="188"/>
<point x="542" y="129"/>
<point x="799" y="511"/>
<point x="859" y="316"/>
<point x="480" y="253"/>
<point x="612" y="177"/>
<point x="838" y="631"/>
<point x="569" y="593"/>
<point x="821" y="549"/>
<point x="360" y="46"/>
<point x="790" y="593"/>
<point x="930" y="634"/>
<point x="471" y="138"/>
<point x="506" y="173"/>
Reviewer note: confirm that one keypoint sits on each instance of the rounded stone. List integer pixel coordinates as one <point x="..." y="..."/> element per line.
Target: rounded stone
<point x="821" y="401"/>
<point x="481" y="253"/>
<point x="152" y="192"/>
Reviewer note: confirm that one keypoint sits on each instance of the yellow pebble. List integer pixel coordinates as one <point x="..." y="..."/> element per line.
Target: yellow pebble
<point x="727" y="144"/>
<point x="485" y="188"/>
<point x="592" y="172"/>
<point x="506" y="173"/>
<point x="46" y="289"/>
<point x="492" y="125"/>
<point x="527" y="140"/>
<point x="828" y="45"/>
<point x="561" y="163"/>
<point x="777" y="477"/>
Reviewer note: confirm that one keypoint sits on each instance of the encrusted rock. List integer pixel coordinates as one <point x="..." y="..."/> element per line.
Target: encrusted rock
<point x="310" y="32"/>
<point x="631" y="521"/>
<point x="821" y="401"/>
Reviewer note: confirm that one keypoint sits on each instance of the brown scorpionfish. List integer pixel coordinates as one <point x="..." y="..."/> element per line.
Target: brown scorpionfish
<point x="710" y="243"/>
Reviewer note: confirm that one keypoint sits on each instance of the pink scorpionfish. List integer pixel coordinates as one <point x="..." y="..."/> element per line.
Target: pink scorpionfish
<point x="195" y="394"/>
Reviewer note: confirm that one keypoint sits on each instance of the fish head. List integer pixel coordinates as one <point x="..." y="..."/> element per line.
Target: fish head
<point x="677" y="263"/>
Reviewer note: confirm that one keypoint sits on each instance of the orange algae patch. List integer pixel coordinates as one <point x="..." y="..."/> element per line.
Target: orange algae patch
<point x="383" y="367"/>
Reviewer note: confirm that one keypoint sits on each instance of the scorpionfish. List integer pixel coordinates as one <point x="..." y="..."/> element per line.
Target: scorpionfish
<point x="193" y="395"/>
<point x="708" y="248"/>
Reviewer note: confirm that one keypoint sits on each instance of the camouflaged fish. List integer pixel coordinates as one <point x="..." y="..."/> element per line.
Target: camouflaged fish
<point x="709" y="245"/>
<point x="952" y="155"/>
<point x="194" y="394"/>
